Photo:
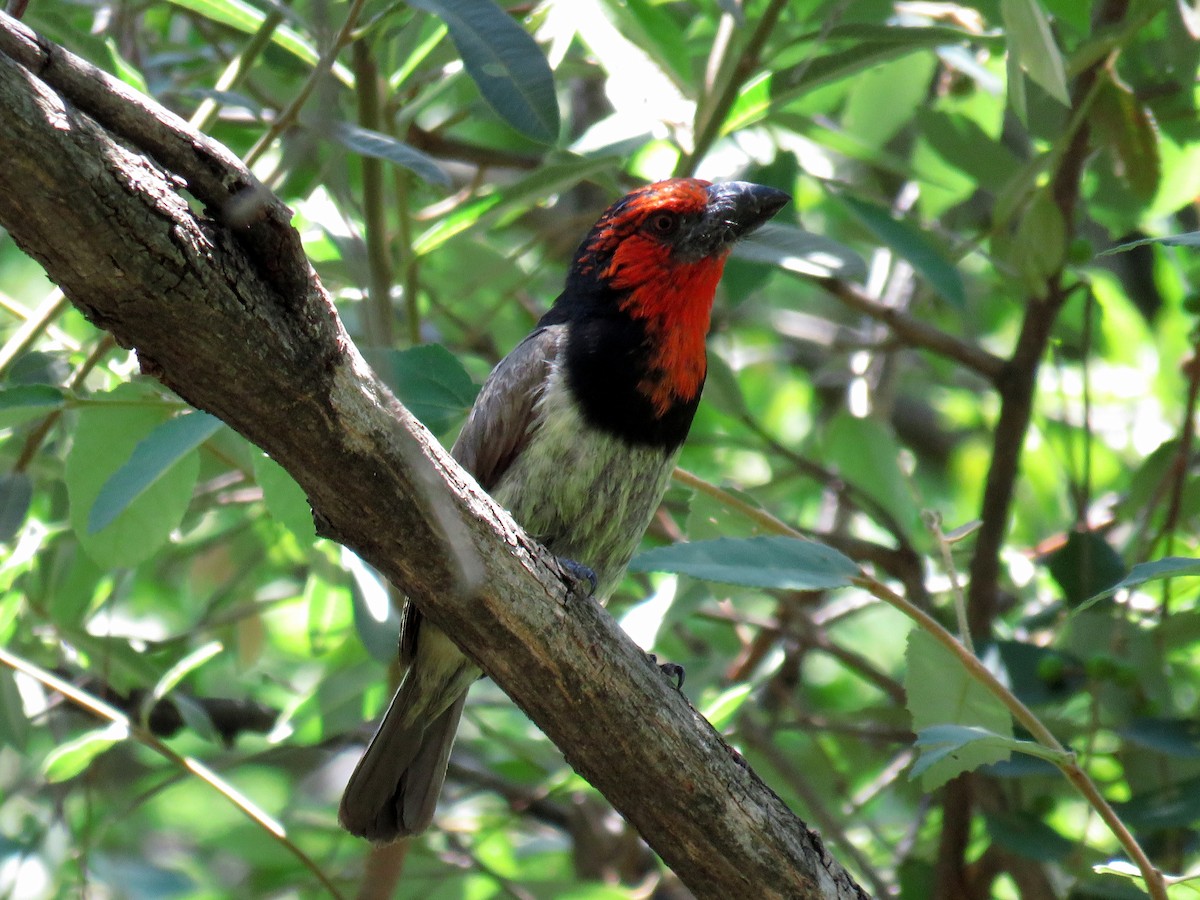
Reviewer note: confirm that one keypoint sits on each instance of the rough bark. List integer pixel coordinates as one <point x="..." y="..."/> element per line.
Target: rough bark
<point x="221" y="306"/>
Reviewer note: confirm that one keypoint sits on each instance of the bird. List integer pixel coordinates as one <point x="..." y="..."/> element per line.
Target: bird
<point x="575" y="432"/>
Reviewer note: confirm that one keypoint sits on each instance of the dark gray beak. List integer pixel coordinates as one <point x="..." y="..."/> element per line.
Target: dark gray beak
<point x="736" y="208"/>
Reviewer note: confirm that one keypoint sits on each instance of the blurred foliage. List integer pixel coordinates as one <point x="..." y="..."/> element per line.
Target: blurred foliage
<point x="441" y="171"/>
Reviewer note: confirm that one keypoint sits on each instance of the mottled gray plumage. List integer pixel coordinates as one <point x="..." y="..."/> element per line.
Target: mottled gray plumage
<point x="394" y="789"/>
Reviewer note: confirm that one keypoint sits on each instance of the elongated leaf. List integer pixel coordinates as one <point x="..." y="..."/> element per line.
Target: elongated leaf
<point x="802" y="252"/>
<point x="1033" y="45"/>
<point x="21" y="402"/>
<point x="504" y="61"/>
<point x="171" y="678"/>
<point x="485" y="210"/>
<point x="1190" y="239"/>
<point x="872" y="44"/>
<point x="156" y="454"/>
<point x="105" y="437"/>
<point x="913" y="246"/>
<point x="722" y="710"/>
<point x="14" y="724"/>
<point x="381" y="146"/>
<point x="247" y="19"/>
<point x="1168" y="567"/>
<point x="1129" y="130"/>
<point x="68" y="760"/>
<point x="16" y="494"/>
<point x="780" y="563"/>
<point x="1172" y="806"/>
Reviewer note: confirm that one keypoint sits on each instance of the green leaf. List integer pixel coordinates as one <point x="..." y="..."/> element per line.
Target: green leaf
<point x="376" y="145"/>
<point x="867" y="457"/>
<point x="945" y="751"/>
<point x="872" y="45"/>
<point x="720" y="712"/>
<point x="16" y="495"/>
<point x="912" y="245"/>
<point x="245" y="18"/>
<point x="1173" y="806"/>
<point x="962" y="143"/>
<point x="1031" y="42"/>
<point x="779" y="563"/>
<point x="1190" y="239"/>
<point x="14" y="724"/>
<point x="1173" y="737"/>
<point x="1128" y="129"/>
<point x="184" y="667"/>
<point x="67" y="760"/>
<point x="22" y="402"/>
<point x="1084" y="565"/>
<point x="1168" y="567"/>
<point x="941" y="692"/>
<point x="802" y="252"/>
<point x="125" y="70"/>
<point x="504" y="61"/>
<point x="661" y="36"/>
<point x="1024" y="833"/>
<point x="156" y="455"/>
<point x="433" y="384"/>
<point x="105" y="438"/>
<point x="286" y="500"/>
<point x="1039" y="248"/>
<point x="942" y="695"/>
<point x="548" y="179"/>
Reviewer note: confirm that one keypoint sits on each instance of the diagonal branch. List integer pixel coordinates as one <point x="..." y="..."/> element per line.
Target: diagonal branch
<point x="226" y="312"/>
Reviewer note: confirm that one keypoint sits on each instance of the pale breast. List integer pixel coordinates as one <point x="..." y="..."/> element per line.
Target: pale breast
<point x="584" y="493"/>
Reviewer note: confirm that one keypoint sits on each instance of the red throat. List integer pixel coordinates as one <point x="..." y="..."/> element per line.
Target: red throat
<point x="674" y="302"/>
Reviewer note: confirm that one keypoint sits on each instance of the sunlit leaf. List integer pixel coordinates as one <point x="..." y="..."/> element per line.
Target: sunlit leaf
<point x="160" y="451"/>
<point x="796" y="250"/>
<point x="106" y="437"/>
<point x="68" y="760"/>
<point x="284" y="498"/>
<point x="246" y="18"/>
<point x="504" y="61"/>
<point x="1031" y="41"/>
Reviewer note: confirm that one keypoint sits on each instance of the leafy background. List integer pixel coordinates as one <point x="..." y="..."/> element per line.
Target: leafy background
<point x="945" y="247"/>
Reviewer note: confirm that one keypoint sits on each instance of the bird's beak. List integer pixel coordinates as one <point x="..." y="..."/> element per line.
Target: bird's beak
<point x="736" y="208"/>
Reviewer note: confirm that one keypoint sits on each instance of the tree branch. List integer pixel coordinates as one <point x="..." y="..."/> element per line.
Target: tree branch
<point x="223" y="308"/>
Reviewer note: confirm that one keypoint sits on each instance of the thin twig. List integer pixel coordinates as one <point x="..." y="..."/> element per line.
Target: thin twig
<point x="711" y="116"/>
<point x="285" y="119"/>
<point x="103" y="710"/>
<point x="916" y="333"/>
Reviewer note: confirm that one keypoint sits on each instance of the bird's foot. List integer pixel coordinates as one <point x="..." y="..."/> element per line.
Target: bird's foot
<point x="580" y="579"/>
<point x="674" y="671"/>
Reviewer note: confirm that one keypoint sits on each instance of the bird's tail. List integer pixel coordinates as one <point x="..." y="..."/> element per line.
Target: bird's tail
<point x="394" y="788"/>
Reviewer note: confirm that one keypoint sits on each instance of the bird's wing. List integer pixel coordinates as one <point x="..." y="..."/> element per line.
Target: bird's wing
<point x="498" y="428"/>
<point x="503" y="417"/>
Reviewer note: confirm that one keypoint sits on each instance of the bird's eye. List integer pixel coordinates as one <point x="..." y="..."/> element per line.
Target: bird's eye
<point x="663" y="223"/>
